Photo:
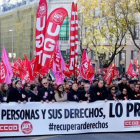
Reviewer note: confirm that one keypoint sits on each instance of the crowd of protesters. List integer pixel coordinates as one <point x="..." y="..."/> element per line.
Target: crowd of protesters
<point x="77" y="90"/>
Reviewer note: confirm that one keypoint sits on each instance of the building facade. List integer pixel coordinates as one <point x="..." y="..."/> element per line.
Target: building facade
<point x="17" y="31"/>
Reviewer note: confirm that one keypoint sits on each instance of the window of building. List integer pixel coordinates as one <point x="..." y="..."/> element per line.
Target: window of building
<point x="134" y="55"/>
<point x="136" y="31"/>
<point x="64" y="31"/>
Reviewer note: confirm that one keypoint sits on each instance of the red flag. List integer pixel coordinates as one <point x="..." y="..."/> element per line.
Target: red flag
<point x="41" y="19"/>
<point x="66" y="71"/>
<point x="86" y="68"/>
<point x="73" y="59"/>
<point x="25" y="73"/>
<point x="109" y="75"/>
<point x="116" y="72"/>
<point x="131" y="71"/>
<point x="53" y="26"/>
<point x="29" y="68"/>
<point x="3" y="72"/>
<point x="90" y="70"/>
<point x="16" y="67"/>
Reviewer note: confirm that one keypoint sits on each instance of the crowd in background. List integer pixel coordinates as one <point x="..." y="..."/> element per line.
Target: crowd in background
<point x="77" y="90"/>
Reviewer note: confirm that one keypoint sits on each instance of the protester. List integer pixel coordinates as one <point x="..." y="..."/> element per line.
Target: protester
<point x="4" y="93"/>
<point x="15" y="94"/>
<point x="34" y="93"/>
<point x="112" y="93"/>
<point x="100" y="90"/>
<point x="46" y="94"/>
<point x="60" y="94"/>
<point x="73" y="94"/>
<point x="68" y="87"/>
<point x="124" y="95"/>
<point x="26" y="92"/>
<point x="137" y="92"/>
<point x="123" y="84"/>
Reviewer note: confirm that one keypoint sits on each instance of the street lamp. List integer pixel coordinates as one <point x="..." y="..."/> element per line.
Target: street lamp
<point x="12" y="42"/>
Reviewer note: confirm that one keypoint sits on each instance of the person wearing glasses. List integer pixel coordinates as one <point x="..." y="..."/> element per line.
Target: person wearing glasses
<point x="81" y="86"/>
<point x="46" y="94"/>
<point x="60" y="94"/>
<point x="15" y="94"/>
<point x="112" y="93"/>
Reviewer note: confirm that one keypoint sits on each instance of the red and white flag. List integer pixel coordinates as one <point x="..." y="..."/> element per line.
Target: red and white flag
<point x="16" y="67"/>
<point x="86" y="69"/>
<point x="73" y="59"/>
<point x="109" y="75"/>
<point x="3" y="72"/>
<point x="131" y="71"/>
<point x="53" y="26"/>
<point x="41" y="19"/>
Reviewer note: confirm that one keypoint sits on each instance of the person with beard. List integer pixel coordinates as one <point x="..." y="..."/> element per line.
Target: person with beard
<point x="73" y="94"/>
<point x="4" y="93"/>
<point x="136" y="92"/>
<point x="68" y="87"/>
<point x="60" y="94"/>
<point x="100" y="91"/>
<point x="15" y="94"/>
<point x="123" y="84"/>
<point x="46" y="94"/>
<point x="124" y="95"/>
<point x="81" y="86"/>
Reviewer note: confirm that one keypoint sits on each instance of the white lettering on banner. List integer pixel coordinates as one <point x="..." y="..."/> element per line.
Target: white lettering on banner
<point x="2" y="73"/>
<point x="39" y="54"/>
<point x="50" y="45"/>
<point x="50" y="28"/>
<point x="45" y="56"/>
<point x="71" y="64"/>
<point x="39" y="43"/>
<point x="38" y="24"/>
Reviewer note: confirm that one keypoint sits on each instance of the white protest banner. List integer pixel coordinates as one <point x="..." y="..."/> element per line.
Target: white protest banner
<point x="68" y="118"/>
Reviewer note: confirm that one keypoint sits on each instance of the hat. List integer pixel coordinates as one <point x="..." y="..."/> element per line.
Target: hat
<point x="131" y="82"/>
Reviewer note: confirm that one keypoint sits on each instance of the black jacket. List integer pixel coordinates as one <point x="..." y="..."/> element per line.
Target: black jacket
<point x="71" y="95"/>
<point x="122" y="97"/>
<point x="4" y="94"/>
<point x="34" y="97"/>
<point x="131" y="94"/>
<point x="103" y="92"/>
<point x="15" y="95"/>
<point x="121" y="86"/>
<point x="27" y="93"/>
<point x="81" y="95"/>
<point x="112" y="97"/>
<point x="49" y="94"/>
